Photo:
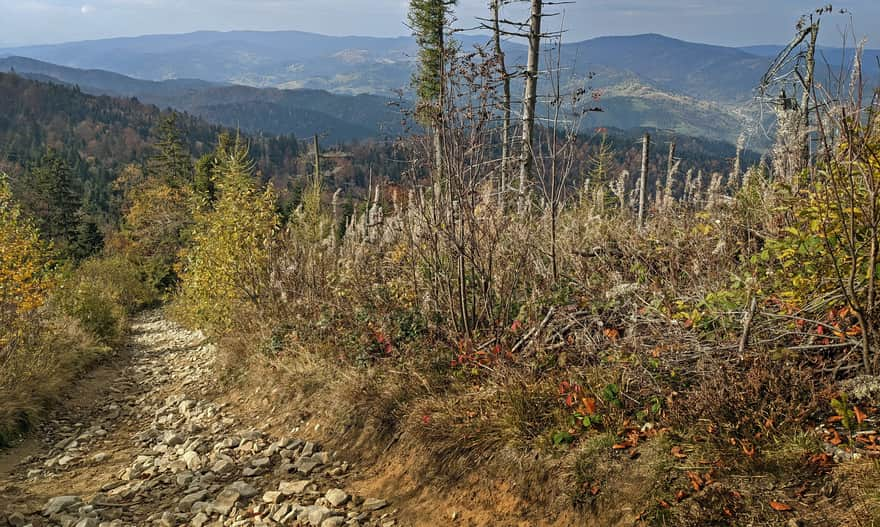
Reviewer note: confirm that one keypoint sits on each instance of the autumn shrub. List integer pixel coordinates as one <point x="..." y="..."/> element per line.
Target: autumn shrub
<point x="25" y="285"/>
<point x="228" y="263"/>
<point x="102" y="293"/>
<point x="158" y="215"/>
<point x="41" y="350"/>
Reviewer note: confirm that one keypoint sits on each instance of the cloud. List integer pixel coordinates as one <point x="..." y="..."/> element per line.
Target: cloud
<point x="87" y="9"/>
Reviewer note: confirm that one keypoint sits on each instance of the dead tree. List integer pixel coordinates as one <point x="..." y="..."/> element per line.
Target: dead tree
<point x="505" y="100"/>
<point x="795" y="66"/>
<point x="643" y="178"/>
<point x="530" y="98"/>
<point x="533" y="33"/>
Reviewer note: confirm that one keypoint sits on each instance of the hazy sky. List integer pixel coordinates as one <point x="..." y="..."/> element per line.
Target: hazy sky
<point x="728" y="22"/>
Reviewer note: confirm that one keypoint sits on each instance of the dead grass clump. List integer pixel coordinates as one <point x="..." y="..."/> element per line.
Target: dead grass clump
<point x="854" y="493"/>
<point x="47" y="360"/>
<point x="472" y="427"/>
<point x="748" y="398"/>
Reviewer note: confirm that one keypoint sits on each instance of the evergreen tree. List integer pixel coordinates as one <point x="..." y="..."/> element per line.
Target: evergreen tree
<point x="172" y="162"/>
<point x="208" y="171"/>
<point x="55" y="202"/>
<point x="428" y="19"/>
<point x="229" y="255"/>
<point x="89" y="240"/>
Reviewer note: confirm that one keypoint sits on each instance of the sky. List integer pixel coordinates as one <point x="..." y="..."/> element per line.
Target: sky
<point x="724" y="22"/>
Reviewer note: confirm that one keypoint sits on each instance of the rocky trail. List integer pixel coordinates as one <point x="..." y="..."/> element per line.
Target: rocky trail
<point x="144" y="444"/>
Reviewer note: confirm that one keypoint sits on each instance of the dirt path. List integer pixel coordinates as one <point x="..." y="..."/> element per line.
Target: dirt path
<point x="142" y="442"/>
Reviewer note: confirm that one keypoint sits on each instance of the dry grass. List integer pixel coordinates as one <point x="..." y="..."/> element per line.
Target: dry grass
<point x="51" y="358"/>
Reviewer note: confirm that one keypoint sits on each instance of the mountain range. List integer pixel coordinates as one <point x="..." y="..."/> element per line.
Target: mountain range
<point x="298" y="82"/>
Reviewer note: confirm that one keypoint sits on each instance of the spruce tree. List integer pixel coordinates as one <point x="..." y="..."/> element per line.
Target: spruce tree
<point x="428" y="19"/>
<point x="56" y="202"/>
<point x="171" y="163"/>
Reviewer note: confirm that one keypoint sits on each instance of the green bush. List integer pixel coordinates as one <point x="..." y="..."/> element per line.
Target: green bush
<point x="102" y="293"/>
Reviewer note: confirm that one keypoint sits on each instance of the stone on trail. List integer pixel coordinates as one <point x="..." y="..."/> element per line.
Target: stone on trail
<point x="317" y="514"/>
<point x="192" y="460"/>
<point x="245" y="490"/>
<point x="273" y="496"/>
<point x="373" y="504"/>
<point x="334" y="521"/>
<point x="281" y="512"/>
<point x="173" y="439"/>
<point x="199" y="520"/>
<point x="87" y="522"/>
<point x="59" y="504"/>
<point x="16" y="519"/>
<point x="289" y="488"/>
<point x="261" y="462"/>
<point x="222" y="466"/>
<point x="225" y="501"/>
<point x="307" y="466"/>
<point x="184" y="479"/>
<point x="336" y="497"/>
<point x="186" y="503"/>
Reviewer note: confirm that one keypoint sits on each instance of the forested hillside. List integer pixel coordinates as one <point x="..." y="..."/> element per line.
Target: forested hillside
<point x="96" y="137"/>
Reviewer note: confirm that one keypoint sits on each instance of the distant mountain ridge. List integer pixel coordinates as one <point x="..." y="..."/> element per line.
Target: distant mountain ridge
<point x="338" y="118"/>
<point x="296" y="59"/>
<point x="253" y="79"/>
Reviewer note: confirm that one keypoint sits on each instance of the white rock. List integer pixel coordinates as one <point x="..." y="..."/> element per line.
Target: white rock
<point x="336" y="497"/>
<point x="245" y="490"/>
<point x="273" y="496"/>
<point x="289" y="488"/>
<point x="60" y="503"/>
<point x="192" y="460"/>
<point x="333" y="521"/>
<point x="317" y="515"/>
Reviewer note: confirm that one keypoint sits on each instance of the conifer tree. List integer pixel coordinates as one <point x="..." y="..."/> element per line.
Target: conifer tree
<point x="55" y="202"/>
<point x="428" y="20"/>
<point x="172" y="162"/>
<point x="229" y="254"/>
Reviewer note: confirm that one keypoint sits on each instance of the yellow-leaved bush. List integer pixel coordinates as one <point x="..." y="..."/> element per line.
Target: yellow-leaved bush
<point x="25" y="286"/>
<point x="228" y="261"/>
<point x="24" y="277"/>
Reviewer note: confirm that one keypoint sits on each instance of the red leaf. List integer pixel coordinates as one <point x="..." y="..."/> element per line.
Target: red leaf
<point x="589" y="405"/>
<point x="860" y="415"/>
<point x="781" y="507"/>
<point x="696" y="480"/>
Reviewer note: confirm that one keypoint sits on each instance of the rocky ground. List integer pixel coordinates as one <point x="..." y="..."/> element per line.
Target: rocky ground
<point x="154" y="448"/>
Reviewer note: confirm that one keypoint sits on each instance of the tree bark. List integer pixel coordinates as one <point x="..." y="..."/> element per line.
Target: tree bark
<point x="643" y="178"/>
<point x="529" y="100"/>
<point x="505" y="102"/>
<point x="805" y="96"/>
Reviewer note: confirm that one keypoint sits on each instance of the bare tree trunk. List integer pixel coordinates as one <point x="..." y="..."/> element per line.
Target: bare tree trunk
<point x="643" y="178"/>
<point x="805" y="96"/>
<point x="736" y="179"/>
<point x="317" y="160"/>
<point x="505" y="83"/>
<point x="672" y="165"/>
<point x="529" y="100"/>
